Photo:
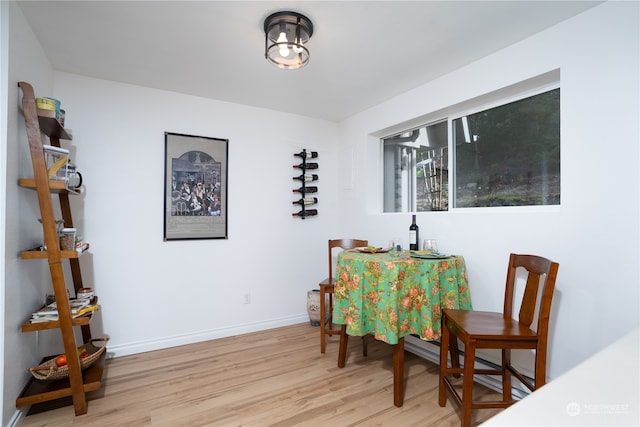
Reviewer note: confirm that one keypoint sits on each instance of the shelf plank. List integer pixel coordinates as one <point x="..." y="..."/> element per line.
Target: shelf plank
<point x="33" y="327"/>
<point x="38" y="391"/>
<point x="55" y="186"/>
<point x="43" y="254"/>
<point x="50" y="126"/>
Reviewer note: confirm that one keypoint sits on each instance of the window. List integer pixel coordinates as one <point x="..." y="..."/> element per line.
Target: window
<point x="508" y="155"/>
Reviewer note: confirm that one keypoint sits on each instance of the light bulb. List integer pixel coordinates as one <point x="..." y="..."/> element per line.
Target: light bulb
<point x="284" y="50"/>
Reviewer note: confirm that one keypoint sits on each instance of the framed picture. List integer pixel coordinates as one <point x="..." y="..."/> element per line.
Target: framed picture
<point x="195" y="195"/>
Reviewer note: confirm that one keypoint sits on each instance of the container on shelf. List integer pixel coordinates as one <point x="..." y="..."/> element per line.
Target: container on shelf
<point x="57" y="104"/>
<point x="56" y="159"/>
<point x="84" y="293"/>
<point x="68" y="239"/>
<point x="74" y="178"/>
<point x="50" y="104"/>
<point x="46" y="104"/>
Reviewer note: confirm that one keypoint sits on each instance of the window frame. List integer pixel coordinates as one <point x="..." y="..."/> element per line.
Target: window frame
<point x="512" y="93"/>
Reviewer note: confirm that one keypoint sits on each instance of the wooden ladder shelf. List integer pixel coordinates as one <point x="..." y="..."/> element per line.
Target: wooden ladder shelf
<point x="78" y="383"/>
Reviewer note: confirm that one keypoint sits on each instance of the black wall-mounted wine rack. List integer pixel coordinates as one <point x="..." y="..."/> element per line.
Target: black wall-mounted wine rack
<point x="306" y="184"/>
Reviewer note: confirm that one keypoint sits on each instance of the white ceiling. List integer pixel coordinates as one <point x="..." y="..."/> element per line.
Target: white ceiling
<point x="362" y="52"/>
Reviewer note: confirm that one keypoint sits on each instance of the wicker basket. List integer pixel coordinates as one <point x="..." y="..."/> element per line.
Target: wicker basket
<point x="49" y="371"/>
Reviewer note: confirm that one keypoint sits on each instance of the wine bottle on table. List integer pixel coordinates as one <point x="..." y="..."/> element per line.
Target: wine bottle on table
<point x="306" y="201"/>
<point x="306" y="166"/>
<point x="307" y="212"/>
<point x="306" y="177"/>
<point x="307" y="154"/>
<point x="306" y="190"/>
<point x="414" y="234"/>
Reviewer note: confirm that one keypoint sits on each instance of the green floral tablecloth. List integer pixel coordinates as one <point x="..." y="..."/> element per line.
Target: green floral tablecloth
<point x="392" y="297"/>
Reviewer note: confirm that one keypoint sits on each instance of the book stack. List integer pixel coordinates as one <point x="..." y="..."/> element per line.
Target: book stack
<point x="49" y="313"/>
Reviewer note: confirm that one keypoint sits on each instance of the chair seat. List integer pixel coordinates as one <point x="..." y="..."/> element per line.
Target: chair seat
<point x="484" y="325"/>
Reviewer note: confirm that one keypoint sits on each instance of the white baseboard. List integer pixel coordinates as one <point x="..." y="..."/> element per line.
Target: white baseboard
<point x="431" y="352"/>
<point x="18" y="416"/>
<point x="211" y="334"/>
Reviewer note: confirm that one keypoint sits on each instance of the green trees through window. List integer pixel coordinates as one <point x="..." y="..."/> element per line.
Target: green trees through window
<point x="509" y="155"/>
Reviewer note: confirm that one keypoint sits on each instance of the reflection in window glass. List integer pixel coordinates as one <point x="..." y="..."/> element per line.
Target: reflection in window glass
<point x="509" y="155"/>
<point x="432" y="170"/>
<point x="416" y="170"/>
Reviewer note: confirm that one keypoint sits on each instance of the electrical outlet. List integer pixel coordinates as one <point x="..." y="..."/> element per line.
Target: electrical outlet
<point x="247" y="298"/>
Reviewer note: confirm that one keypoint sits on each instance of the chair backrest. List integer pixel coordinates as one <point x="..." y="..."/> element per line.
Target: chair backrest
<point x="343" y="244"/>
<point x="541" y="274"/>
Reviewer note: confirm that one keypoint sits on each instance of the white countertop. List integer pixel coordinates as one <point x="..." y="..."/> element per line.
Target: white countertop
<point x="601" y="391"/>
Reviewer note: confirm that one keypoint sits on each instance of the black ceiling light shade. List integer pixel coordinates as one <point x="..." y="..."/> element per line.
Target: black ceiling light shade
<point x="286" y="35"/>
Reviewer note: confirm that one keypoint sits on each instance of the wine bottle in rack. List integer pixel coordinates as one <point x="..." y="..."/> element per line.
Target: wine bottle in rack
<point x="306" y="190"/>
<point x="307" y="154"/>
<point x="306" y="166"/>
<point x="306" y="177"/>
<point x="306" y="201"/>
<point x="306" y="212"/>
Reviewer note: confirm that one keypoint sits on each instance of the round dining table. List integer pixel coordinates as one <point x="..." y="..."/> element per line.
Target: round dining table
<point x="392" y="295"/>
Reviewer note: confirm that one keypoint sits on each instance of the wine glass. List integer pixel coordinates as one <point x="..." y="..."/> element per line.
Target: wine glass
<point x="430" y="245"/>
<point x="395" y="246"/>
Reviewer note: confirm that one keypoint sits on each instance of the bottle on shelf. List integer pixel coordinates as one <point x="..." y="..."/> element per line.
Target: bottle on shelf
<point x="307" y="154"/>
<point x="306" y="190"/>
<point x="306" y="166"/>
<point x="306" y="177"/>
<point x="306" y="212"/>
<point x="414" y="234"/>
<point x="306" y="201"/>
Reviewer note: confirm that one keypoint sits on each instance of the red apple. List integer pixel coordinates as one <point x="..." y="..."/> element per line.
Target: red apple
<point x="61" y="360"/>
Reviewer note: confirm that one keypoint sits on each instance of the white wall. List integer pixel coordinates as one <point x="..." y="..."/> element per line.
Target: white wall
<point x="594" y="233"/>
<point x="154" y="293"/>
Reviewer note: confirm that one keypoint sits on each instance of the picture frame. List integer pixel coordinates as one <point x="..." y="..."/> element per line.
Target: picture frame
<point x="195" y="187"/>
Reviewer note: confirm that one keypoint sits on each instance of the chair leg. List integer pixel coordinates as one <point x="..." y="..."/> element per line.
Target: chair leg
<point x="455" y="354"/>
<point x="444" y="344"/>
<point x="506" y="375"/>
<point x="344" y="341"/>
<point x="541" y="365"/>
<point x="322" y="320"/>
<point x="467" y="382"/>
<point x="331" y="309"/>
<point x="365" y="342"/>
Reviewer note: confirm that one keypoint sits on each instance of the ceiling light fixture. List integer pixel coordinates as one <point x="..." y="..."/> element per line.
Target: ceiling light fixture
<point x="286" y="34"/>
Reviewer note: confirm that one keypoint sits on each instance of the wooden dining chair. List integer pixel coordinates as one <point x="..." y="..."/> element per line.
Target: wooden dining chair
<point x="326" y="291"/>
<point x="480" y="330"/>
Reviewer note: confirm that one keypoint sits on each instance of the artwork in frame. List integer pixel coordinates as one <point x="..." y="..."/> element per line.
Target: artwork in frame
<point x="195" y="196"/>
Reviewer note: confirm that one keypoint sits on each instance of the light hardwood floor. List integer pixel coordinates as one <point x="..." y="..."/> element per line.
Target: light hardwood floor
<point x="270" y="378"/>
